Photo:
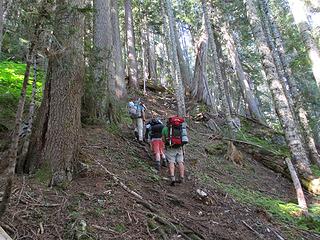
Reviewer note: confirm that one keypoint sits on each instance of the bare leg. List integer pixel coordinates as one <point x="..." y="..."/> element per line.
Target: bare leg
<point x="171" y="171"/>
<point x="181" y="169"/>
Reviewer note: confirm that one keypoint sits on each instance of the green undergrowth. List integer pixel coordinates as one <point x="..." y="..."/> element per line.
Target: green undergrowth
<point x="287" y="212"/>
<point x="11" y="79"/>
<point x="43" y="175"/>
<point x="263" y="137"/>
<point x="315" y="170"/>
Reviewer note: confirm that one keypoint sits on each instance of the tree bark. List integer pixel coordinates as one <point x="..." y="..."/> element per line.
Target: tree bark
<point x="242" y="76"/>
<point x="200" y="87"/>
<point x="280" y="101"/>
<point x="12" y="155"/>
<point x="101" y="42"/>
<point x="144" y="54"/>
<point x="298" y="10"/>
<point x="217" y="68"/>
<point x="120" y="85"/>
<point x="184" y="68"/>
<point x="1" y="23"/>
<point x="297" y="101"/>
<point x="132" y="57"/>
<point x="59" y="122"/>
<point x="300" y="195"/>
<point x="152" y="72"/>
<point x="22" y="158"/>
<point x="179" y="89"/>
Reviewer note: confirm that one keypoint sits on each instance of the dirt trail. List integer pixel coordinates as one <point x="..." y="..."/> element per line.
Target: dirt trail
<point x="95" y="206"/>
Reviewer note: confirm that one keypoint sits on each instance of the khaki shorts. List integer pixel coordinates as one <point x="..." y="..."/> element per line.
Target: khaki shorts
<point x="174" y="155"/>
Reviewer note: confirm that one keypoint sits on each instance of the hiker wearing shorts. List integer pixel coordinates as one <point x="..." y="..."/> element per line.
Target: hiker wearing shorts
<point x="154" y="137"/>
<point x="174" y="148"/>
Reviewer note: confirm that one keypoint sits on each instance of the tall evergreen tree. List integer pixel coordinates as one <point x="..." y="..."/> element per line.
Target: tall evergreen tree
<point x="280" y="101"/>
<point x="1" y="22"/>
<point x="58" y="126"/>
<point x="242" y="76"/>
<point x="120" y="85"/>
<point x="298" y="10"/>
<point x="131" y="51"/>
<point x="217" y="66"/>
<point x="285" y="75"/>
<point x="179" y="89"/>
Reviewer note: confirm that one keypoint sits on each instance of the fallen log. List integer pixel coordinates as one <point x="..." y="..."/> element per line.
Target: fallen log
<point x="277" y="163"/>
<point x="154" y="88"/>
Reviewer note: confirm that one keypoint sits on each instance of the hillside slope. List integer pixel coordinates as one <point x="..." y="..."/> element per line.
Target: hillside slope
<point x="119" y="196"/>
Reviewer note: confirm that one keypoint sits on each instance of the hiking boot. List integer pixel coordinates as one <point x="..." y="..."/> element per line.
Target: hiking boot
<point x="173" y="183"/>
<point x="157" y="166"/>
<point x="164" y="162"/>
<point x="181" y="180"/>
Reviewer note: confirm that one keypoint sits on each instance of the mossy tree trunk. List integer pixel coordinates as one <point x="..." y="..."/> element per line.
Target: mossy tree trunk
<point x="58" y="127"/>
<point x="286" y="75"/>
<point x="280" y="101"/>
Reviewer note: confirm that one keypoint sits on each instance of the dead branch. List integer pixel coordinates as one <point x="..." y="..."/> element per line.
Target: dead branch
<point x="249" y="227"/>
<point x="296" y="182"/>
<point x="4" y="235"/>
<point x="104" y="229"/>
<point x="116" y="179"/>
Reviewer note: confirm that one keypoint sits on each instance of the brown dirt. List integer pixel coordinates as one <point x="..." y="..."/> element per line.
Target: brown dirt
<point x="95" y="206"/>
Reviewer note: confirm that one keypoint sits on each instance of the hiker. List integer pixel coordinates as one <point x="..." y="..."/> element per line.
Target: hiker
<point x="137" y="114"/>
<point x="175" y="136"/>
<point x="153" y="135"/>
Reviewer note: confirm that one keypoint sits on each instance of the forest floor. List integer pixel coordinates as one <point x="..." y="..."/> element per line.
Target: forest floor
<point x="120" y="196"/>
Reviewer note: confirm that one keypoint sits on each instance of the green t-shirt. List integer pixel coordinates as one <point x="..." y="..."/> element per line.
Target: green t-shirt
<point x="165" y="134"/>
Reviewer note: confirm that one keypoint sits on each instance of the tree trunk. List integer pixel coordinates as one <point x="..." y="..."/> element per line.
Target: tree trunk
<point x="278" y="165"/>
<point x="297" y="100"/>
<point x="132" y="57"/>
<point x="217" y="67"/>
<point x="242" y="77"/>
<point x="120" y="85"/>
<point x="59" y="126"/>
<point x="298" y="10"/>
<point x="144" y="46"/>
<point x="26" y="142"/>
<point x="101" y="44"/>
<point x="1" y="23"/>
<point x="280" y="101"/>
<point x="200" y="87"/>
<point x="167" y="41"/>
<point x="179" y="89"/>
<point x="184" y="68"/>
<point x="300" y="195"/>
<point x="13" y="150"/>
<point x="152" y="74"/>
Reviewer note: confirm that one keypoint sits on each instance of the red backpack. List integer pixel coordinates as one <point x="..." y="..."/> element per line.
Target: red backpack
<point x="177" y="133"/>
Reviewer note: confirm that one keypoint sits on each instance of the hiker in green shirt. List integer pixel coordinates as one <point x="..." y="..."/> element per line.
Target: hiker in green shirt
<point x="174" y="154"/>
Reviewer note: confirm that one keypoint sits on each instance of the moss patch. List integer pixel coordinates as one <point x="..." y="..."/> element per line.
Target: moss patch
<point x="284" y="211"/>
<point x="216" y="149"/>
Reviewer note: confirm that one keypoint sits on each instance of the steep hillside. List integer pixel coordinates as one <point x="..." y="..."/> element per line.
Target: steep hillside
<point x="118" y="195"/>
